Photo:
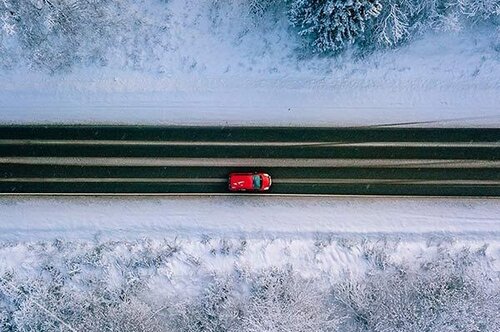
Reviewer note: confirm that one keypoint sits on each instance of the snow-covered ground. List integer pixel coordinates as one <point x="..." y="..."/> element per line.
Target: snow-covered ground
<point x="267" y="224"/>
<point x="198" y="62"/>
<point x="73" y="218"/>
<point x="276" y="231"/>
<point x="249" y="263"/>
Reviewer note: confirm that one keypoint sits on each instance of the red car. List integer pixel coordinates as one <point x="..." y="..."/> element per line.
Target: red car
<point x="249" y="182"/>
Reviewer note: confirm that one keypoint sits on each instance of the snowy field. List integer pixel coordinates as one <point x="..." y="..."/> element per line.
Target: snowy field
<point x="73" y="218"/>
<point x="249" y="263"/>
<point x="248" y="285"/>
<point x="226" y="62"/>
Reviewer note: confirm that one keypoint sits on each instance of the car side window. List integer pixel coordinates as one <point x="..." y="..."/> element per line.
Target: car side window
<point x="256" y="181"/>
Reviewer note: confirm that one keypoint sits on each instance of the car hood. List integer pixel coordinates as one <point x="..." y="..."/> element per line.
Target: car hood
<point x="266" y="182"/>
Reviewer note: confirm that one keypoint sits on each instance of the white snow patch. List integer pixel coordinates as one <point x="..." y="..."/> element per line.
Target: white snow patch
<point x="40" y="218"/>
<point x="443" y="79"/>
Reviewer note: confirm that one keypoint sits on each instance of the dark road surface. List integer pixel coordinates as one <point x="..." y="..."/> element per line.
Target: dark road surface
<point x="159" y="160"/>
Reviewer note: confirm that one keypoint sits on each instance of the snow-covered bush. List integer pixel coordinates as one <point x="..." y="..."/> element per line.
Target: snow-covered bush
<point x="282" y="301"/>
<point x="83" y="287"/>
<point x="155" y="286"/>
<point x="331" y="25"/>
<point x="261" y="7"/>
<point x="454" y="291"/>
<point x="7" y="305"/>
<point x="217" y="308"/>
<point x="377" y="253"/>
<point x="450" y="15"/>
<point x="55" y="34"/>
<point x="479" y="8"/>
<point x="45" y="308"/>
<point x="238" y="19"/>
<point x="275" y="299"/>
<point x="401" y="20"/>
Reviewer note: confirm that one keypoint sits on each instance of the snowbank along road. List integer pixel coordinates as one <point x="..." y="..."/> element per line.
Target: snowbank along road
<point x="163" y="160"/>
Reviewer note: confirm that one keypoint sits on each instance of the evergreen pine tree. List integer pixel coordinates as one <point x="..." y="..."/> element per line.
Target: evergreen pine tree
<point x="330" y="25"/>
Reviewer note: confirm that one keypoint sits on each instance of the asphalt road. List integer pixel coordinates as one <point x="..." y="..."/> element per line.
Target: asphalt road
<point x="160" y="160"/>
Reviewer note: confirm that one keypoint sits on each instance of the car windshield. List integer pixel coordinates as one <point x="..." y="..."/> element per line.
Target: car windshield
<point x="256" y="181"/>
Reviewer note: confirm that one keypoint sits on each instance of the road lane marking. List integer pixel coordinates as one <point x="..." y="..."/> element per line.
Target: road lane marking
<point x="387" y="181"/>
<point x="257" y="143"/>
<point x="258" y="194"/>
<point x="285" y="181"/>
<point x="120" y="180"/>
<point x="251" y="162"/>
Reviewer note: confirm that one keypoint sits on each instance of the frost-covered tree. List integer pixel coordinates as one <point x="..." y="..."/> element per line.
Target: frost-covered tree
<point x="454" y="15"/>
<point x="479" y="8"/>
<point x="260" y="7"/>
<point x="274" y="300"/>
<point x="53" y="34"/>
<point x="282" y="301"/>
<point x="455" y="291"/>
<point x="124" y="286"/>
<point x="217" y="308"/>
<point x="402" y="20"/>
<point x="392" y="26"/>
<point x="331" y="25"/>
